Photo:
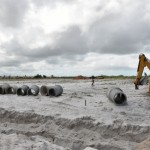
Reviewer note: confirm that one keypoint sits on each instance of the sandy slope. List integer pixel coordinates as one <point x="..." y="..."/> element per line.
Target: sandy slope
<point x="61" y="123"/>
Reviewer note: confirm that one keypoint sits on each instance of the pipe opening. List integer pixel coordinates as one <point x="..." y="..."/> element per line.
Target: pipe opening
<point x="52" y="92"/>
<point x="13" y="91"/>
<point x="10" y="90"/>
<point x="20" y="92"/>
<point x="1" y="90"/>
<point x="43" y="90"/>
<point x="120" y="98"/>
<point x="29" y="92"/>
<point x="33" y="92"/>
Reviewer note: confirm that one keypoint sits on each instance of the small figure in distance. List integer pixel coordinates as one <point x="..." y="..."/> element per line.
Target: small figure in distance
<point x="92" y="80"/>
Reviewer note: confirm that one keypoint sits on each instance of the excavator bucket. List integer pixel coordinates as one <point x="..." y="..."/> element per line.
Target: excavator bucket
<point x="144" y="80"/>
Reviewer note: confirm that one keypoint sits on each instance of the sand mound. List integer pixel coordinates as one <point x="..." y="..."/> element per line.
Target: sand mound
<point x="75" y="134"/>
<point x="21" y="142"/>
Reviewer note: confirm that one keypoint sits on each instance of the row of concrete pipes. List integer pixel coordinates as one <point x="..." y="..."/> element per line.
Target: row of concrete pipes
<point x="115" y="94"/>
<point x="34" y="90"/>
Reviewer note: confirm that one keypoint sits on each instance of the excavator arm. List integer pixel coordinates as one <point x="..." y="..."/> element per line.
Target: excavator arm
<point x="143" y="62"/>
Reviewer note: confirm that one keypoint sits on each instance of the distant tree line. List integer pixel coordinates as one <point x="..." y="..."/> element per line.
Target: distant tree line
<point x="39" y="76"/>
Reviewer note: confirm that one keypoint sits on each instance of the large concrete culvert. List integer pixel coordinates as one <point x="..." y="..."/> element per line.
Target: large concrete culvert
<point x="3" y="88"/>
<point x="116" y="95"/>
<point x="11" y="90"/>
<point x="33" y="90"/>
<point x="56" y="90"/>
<point x="43" y="90"/>
<point x="51" y="90"/>
<point x="22" y="90"/>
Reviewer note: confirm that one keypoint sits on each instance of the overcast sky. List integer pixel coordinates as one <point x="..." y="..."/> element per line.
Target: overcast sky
<point x="73" y="37"/>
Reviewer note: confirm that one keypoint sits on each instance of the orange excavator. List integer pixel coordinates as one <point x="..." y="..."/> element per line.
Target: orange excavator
<point x="143" y="62"/>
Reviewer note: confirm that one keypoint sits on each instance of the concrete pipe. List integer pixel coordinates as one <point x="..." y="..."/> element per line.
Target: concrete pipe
<point x="55" y="90"/>
<point x="12" y="90"/>
<point x="22" y="90"/>
<point x="116" y="95"/>
<point x="43" y="90"/>
<point x="3" y="88"/>
<point x="49" y="88"/>
<point x="33" y="90"/>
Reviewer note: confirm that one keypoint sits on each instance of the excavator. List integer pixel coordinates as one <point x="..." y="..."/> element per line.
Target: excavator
<point x="143" y="62"/>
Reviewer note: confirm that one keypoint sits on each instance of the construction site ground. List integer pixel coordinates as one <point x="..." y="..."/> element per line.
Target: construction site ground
<point x="81" y="117"/>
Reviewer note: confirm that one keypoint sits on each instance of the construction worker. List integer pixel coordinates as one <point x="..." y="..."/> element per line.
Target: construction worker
<point x="92" y="80"/>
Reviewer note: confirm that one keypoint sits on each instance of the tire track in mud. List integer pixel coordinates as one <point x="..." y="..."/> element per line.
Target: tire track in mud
<point x="75" y="134"/>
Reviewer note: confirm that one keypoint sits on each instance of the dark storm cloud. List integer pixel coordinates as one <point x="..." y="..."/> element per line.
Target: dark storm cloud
<point x="120" y="39"/>
<point x="10" y="63"/>
<point x="71" y="42"/>
<point x="68" y="44"/>
<point x="124" y="32"/>
<point x="15" y="48"/>
<point x="12" y="12"/>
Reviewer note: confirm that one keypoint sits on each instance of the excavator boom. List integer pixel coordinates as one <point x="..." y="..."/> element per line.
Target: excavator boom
<point x="143" y="62"/>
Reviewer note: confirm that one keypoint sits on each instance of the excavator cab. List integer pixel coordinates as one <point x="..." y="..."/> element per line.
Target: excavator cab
<point x="143" y="62"/>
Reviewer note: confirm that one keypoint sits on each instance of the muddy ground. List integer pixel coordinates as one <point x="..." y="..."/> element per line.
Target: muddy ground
<point x="65" y="123"/>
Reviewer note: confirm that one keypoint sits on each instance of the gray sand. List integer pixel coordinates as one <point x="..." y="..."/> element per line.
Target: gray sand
<point x="65" y="123"/>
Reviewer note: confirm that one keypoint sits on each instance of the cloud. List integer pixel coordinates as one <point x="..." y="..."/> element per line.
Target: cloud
<point x="64" y="33"/>
<point x="70" y="42"/>
<point x="124" y="32"/>
<point x="12" y="12"/>
<point x="10" y="63"/>
<point x="50" y="3"/>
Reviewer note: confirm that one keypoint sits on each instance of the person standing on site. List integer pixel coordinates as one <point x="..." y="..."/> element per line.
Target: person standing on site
<point x="92" y="80"/>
